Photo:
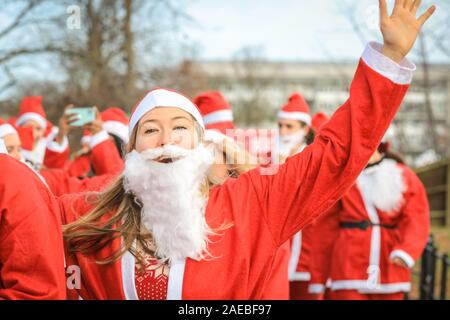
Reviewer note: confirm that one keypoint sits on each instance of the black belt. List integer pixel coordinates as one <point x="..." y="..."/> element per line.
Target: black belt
<point x="363" y="225"/>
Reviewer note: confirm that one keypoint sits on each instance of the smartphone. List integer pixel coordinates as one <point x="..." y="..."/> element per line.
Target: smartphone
<point x="84" y="115"/>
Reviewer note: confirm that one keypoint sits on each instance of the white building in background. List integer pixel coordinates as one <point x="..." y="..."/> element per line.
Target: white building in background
<point x="325" y="87"/>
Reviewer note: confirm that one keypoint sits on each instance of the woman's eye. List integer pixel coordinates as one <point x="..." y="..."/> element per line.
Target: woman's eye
<point x="180" y="128"/>
<point x="148" y="131"/>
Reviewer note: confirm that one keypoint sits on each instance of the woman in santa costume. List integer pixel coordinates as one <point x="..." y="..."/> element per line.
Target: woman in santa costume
<point x="162" y="219"/>
<point x="372" y="237"/>
<point x="31" y="246"/>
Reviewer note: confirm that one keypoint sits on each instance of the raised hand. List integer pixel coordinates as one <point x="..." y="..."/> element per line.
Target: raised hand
<point x="96" y="126"/>
<point x="64" y="124"/>
<point x="400" y="30"/>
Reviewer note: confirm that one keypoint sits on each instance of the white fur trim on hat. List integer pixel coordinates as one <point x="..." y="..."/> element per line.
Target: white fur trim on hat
<point x="301" y="116"/>
<point x="7" y="129"/>
<point x="164" y="98"/>
<point x="117" y="128"/>
<point x="218" y="117"/>
<point x="3" y="147"/>
<point x="32" y="116"/>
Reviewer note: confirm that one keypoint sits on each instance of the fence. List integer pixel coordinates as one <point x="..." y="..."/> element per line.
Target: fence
<point x="434" y="270"/>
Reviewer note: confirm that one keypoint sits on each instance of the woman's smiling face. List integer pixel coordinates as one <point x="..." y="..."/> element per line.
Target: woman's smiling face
<point x="166" y="126"/>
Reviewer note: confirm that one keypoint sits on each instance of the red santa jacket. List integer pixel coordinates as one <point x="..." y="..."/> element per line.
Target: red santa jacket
<point x="104" y="157"/>
<point x="357" y="259"/>
<point x="61" y="183"/>
<point x="31" y="245"/>
<point x="265" y="210"/>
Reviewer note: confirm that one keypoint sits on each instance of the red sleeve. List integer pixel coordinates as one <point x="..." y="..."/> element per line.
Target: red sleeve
<point x="310" y="183"/>
<point x="80" y="166"/>
<point x="56" y="155"/>
<point x="31" y="244"/>
<point x="56" y="160"/>
<point x="325" y="232"/>
<point x="60" y="183"/>
<point x="414" y="225"/>
<point x="106" y="159"/>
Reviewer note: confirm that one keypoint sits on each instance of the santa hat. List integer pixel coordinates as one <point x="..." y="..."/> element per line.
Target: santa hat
<point x="115" y="122"/>
<point x="3" y="147"/>
<point x="163" y="98"/>
<point x="216" y="112"/>
<point x="6" y="129"/>
<point x="296" y="109"/>
<point x="25" y="134"/>
<point x="86" y="138"/>
<point x="319" y="119"/>
<point x="31" y="109"/>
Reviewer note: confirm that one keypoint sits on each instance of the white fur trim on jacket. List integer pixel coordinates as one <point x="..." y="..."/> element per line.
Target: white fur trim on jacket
<point x="316" y="288"/>
<point x="176" y="277"/>
<point x="406" y="257"/>
<point x="54" y="146"/>
<point x="398" y="73"/>
<point x="128" y="276"/>
<point x="32" y="116"/>
<point x="98" y="138"/>
<point x="363" y="287"/>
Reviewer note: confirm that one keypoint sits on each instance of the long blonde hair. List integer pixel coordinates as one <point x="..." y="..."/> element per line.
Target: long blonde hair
<point x="91" y="233"/>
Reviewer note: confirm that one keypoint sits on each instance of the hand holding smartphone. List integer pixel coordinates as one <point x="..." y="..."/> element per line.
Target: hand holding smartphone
<point x="83" y="115"/>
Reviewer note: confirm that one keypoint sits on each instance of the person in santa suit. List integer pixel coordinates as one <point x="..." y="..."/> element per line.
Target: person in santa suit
<point x="32" y="116"/>
<point x="13" y="146"/>
<point x="162" y="222"/>
<point x="103" y="151"/>
<point x="58" y="181"/>
<point x="369" y="241"/>
<point x="31" y="245"/>
<point x="294" y="123"/>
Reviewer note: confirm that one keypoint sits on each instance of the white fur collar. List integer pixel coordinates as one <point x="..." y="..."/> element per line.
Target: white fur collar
<point x="383" y="185"/>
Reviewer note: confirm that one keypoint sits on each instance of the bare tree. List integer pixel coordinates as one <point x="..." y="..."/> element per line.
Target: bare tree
<point x="251" y="108"/>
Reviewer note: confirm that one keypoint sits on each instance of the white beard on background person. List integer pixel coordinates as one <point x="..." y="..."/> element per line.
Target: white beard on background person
<point x="173" y="208"/>
<point x="289" y="142"/>
<point x="383" y="185"/>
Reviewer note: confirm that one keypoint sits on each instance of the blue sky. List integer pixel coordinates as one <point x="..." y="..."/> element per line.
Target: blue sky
<point x="286" y="29"/>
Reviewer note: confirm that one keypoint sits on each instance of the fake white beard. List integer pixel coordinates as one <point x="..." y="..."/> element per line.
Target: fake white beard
<point x="173" y="206"/>
<point x="288" y="142"/>
<point x="383" y="185"/>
